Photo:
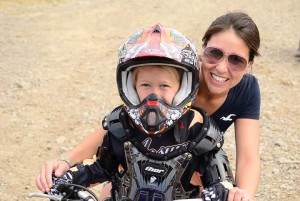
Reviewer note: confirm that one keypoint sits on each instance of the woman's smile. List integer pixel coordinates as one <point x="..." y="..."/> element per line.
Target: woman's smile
<point x="218" y="78"/>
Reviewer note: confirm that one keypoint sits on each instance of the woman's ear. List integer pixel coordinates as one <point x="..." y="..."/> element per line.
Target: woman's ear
<point x="249" y="67"/>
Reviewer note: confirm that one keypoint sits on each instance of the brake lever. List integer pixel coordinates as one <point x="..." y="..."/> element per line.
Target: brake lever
<point x="42" y="195"/>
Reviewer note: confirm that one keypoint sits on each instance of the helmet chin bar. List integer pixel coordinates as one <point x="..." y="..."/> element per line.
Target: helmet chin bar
<point x="153" y="116"/>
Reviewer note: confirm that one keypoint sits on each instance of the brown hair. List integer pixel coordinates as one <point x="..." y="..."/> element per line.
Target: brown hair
<point x="244" y="27"/>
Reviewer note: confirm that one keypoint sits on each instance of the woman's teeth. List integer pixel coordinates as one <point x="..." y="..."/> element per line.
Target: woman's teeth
<point x="219" y="79"/>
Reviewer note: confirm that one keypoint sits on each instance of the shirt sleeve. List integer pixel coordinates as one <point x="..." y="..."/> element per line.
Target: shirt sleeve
<point x="252" y="106"/>
<point x="86" y="175"/>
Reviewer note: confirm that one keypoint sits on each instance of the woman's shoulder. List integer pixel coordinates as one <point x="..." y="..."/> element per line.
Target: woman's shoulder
<point x="248" y="80"/>
<point x="248" y="84"/>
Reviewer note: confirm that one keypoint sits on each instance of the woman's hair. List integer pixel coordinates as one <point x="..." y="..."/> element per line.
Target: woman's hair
<point x="175" y="72"/>
<point x="243" y="26"/>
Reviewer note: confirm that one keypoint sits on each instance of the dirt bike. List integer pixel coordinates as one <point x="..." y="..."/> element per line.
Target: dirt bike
<point x="73" y="192"/>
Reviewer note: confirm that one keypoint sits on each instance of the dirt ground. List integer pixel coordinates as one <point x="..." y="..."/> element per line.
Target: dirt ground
<point x="57" y="79"/>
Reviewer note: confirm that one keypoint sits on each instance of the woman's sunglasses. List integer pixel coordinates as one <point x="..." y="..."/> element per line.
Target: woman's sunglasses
<point x="214" y="55"/>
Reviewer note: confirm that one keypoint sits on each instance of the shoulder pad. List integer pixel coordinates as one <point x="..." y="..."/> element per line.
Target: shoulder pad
<point x="114" y="123"/>
<point x="218" y="169"/>
<point x="213" y="137"/>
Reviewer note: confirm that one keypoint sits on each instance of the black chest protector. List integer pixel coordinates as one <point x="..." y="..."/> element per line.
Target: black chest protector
<point x="151" y="176"/>
<point x="150" y="179"/>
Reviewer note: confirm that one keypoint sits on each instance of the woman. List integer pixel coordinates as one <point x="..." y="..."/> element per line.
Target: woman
<point x="227" y="92"/>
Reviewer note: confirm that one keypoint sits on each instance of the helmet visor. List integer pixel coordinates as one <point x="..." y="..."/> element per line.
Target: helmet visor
<point x="130" y="97"/>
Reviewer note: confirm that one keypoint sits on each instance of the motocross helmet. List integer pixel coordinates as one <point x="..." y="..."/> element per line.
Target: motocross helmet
<point x="157" y="46"/>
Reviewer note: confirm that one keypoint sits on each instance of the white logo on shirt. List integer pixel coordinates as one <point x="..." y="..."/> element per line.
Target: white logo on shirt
<point x="228" y="118"/>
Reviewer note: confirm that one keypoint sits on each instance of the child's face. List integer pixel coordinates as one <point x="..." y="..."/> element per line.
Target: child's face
<point x="164" y="82"/>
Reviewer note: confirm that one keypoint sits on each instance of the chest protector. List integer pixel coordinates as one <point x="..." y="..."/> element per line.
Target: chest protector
<point x="150" y="179"/>
<point x="145" y="175"/>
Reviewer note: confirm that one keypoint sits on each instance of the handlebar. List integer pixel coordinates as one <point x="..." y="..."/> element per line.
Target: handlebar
<point x="60" y="198"/>
<point x="79" y="193"/>
<point x="69" y="192"/>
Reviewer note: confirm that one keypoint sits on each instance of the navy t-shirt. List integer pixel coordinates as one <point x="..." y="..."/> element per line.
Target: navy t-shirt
<point x="243" y="101"/>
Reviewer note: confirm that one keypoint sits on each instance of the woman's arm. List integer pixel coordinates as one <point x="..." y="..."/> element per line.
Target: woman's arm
<point x="86" y="149"/>
<point x="248" y="165"/>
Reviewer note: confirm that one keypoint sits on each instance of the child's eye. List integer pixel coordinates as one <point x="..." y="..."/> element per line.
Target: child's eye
<point x="145" y="85"/>
<point x="165" y="85"/>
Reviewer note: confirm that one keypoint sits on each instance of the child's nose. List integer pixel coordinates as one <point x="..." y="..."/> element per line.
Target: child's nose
<point x="156" y="91"/>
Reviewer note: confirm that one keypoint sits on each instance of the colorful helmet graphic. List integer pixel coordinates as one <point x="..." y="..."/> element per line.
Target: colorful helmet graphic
<point x="159" y="46"/>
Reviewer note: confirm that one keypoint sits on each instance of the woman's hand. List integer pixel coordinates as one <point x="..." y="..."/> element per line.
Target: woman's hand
<point x="44" y="178"/>
<point x="237" y="194"/>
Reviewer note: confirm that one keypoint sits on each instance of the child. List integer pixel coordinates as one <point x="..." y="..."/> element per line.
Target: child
<point x="157" y="147"/>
